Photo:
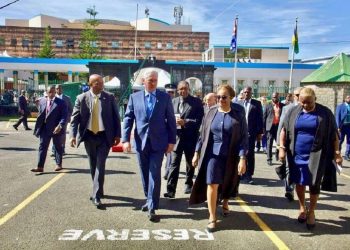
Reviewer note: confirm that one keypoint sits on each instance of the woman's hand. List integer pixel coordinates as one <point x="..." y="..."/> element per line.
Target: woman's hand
<point x="242" y="166"/>
<point x="195" y="159"/>
<point x="338" y="159"/>
<point x="282" y="154"/>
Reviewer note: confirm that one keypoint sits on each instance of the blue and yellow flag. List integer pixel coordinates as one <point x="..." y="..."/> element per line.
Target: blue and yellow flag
<point x="295" y="41"/>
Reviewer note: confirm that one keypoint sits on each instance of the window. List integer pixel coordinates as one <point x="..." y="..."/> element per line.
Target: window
<point x="190" y="46"/>
<point x="59" y="43"/>
<point x="36" y="43"/>
<point x="224" y="82"/>
<point x="70" y="43"/>
<point x="180" y="46"/>
<point x="25" y="43"/>
<point x="116" y="44"/>
<point x="159" y="45"/>
<point x="202" y="47"/>
<point x="2" y="41"/>
<point x="93" y="44"/>
<point x="13" y="42"/>
<point x="148" y="45"/>
<point x="272" y="82"/>
<point x="169" y="45"/>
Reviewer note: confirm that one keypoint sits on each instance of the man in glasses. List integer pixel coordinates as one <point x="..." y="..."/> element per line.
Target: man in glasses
<point x="189" y="112"/>
<point x="254" y="118"/>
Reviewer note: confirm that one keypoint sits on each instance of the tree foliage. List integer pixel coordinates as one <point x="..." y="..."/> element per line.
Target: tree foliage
<point x="89" y="37"/>
<point x="46" y="50"/>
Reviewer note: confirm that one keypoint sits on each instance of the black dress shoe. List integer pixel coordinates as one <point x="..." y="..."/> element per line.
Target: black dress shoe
<point x="152" y="216"/>
<point x="269" y="162"/>
<point x="169" y="195"/>
<point x="289" y="196"/>
<point x="15" y="127"/>
<point x="144" y="208"/>
<point x="188" y="189"/>
<point x="97" y="202"/>
<point x="28" y="129"/>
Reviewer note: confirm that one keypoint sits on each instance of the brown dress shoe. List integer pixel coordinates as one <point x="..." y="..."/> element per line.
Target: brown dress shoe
<point x="37" y="170"/>
<point x="58" y="168"/>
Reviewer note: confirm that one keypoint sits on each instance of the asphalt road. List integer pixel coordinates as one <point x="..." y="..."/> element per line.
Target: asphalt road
<point x="53" y="211"/>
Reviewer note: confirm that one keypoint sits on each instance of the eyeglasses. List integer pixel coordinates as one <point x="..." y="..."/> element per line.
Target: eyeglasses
<point x="223" y="97"/>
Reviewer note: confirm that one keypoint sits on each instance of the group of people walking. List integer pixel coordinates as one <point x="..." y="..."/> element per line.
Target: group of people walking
<point x="218" y="139"/>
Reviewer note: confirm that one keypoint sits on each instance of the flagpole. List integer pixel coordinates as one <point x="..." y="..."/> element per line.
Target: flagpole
<point x="235" y="65"/>
<point x="292" y="63"/>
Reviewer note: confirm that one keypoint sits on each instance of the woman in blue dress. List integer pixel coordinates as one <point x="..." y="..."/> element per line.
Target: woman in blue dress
<point x="220" y="154"/>
<point x="310" y="141"/>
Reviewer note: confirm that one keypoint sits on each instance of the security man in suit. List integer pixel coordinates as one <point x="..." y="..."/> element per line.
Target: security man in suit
<point x="51" y="119"/>
<point x="189" y="112"/>
<point x="254" y="117"/>
<point x="271" y="120"/>
<point x="23" y="111"/>
<point x="95" y="120"/>
<point x="155" y="133"/>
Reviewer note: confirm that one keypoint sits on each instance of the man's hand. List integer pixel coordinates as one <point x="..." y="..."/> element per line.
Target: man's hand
<point x="195" y="159"/>
<point x="57" y="130"/>
<point x="170" y="148"/>
<point x="116" y="140"/>
<point x="242" y="166"/>
<point x="180" y="122"/>
<point x="127" y="147"/>
<point x="73" y="142"/>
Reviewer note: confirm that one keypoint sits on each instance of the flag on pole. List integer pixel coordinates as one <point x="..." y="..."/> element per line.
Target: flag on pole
<point x="233" y="46"/>
<point x="295" y="41"/>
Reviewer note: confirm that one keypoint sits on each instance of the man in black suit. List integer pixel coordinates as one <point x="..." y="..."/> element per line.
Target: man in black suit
<point x="23" y="111"/>
<point x="189" y="113"/>
<point x="272" y="116"/>
<point x="67" y="101"/>
<point x="49" y="124"/>
<point x="254" y="117"/>
<point x="95" y="120"/>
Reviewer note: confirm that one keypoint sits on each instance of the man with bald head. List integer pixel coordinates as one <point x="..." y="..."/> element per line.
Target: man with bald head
<point x="95" y="121"/>
<point x="210" y="101"/>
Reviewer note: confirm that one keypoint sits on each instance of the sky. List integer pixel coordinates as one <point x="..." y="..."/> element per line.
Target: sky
<point x="322" y="24"/>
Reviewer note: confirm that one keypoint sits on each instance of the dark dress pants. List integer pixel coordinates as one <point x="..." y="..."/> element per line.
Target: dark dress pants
<point x="345" y="131"/>
<point x="271" y="136"/>
<point x="150" y="163"/>
<point x="23" y="119"/>
<point x="45" y="138"/>
<point x="62" y="138"/>
<point x="251" y="157"/>
<point x="173" y="176"/>
<point x="97" y="151"/>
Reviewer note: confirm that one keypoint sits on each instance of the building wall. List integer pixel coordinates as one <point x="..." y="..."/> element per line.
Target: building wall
<point x="274" y="55"/>
<point x="125" y="38"/>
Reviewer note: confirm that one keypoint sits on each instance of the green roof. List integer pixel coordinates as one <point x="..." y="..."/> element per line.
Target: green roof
<point x="336" y="70"/>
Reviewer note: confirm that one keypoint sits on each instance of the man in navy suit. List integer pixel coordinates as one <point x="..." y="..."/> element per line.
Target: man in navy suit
<point x="254" y="117"/>
<point x="343" y="123"/>
<point x="23" y="111"/>
<point x="67" y="101"/>
<point x="49" y="124"/>
<point x="155" y="134"/>
<point x="95" y="120"/>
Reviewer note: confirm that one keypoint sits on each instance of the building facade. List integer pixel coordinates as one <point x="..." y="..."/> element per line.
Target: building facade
<point x="24" y="38"/>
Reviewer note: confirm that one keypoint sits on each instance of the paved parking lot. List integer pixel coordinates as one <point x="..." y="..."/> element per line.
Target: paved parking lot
<point x="52" y="210"/>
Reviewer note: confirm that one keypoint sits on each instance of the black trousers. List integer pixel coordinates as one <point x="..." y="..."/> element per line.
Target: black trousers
<point x="23" y="119"/>
<point x="251" y="156"/>
<point x="97" y="151"/>
<point x="173" y="176"/>
<point x="271" y="136"/>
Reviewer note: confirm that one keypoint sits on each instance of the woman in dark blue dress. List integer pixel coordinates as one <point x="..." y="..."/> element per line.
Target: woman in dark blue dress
<point x="310" y="141"/>
<point x="220" y="153"/>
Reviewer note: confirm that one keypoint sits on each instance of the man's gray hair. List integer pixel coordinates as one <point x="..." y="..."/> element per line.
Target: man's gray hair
<point x="149" y="72"/>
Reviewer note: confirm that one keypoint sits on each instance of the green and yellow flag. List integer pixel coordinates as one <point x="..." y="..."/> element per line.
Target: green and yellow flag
<point x="295" y="41"/>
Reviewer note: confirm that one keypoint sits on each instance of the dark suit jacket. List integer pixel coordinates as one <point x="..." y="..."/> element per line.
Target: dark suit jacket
<point x="159" y="128"/>
<point x="238" y="146"/>
<point x="255" y="117"/>
<point x="341" y="112"/>
<point x="320" y="165"/>
<point x="57" y="116"/>
<point x="82" y="112"/>
<point x="69" y="105"/>
<point x="269" y="114"/>
<point x="193" y="113"/>
<point x="22" y="104"/>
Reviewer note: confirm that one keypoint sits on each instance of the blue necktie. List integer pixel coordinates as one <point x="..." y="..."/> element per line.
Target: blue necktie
<point x="149" y="105"/>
